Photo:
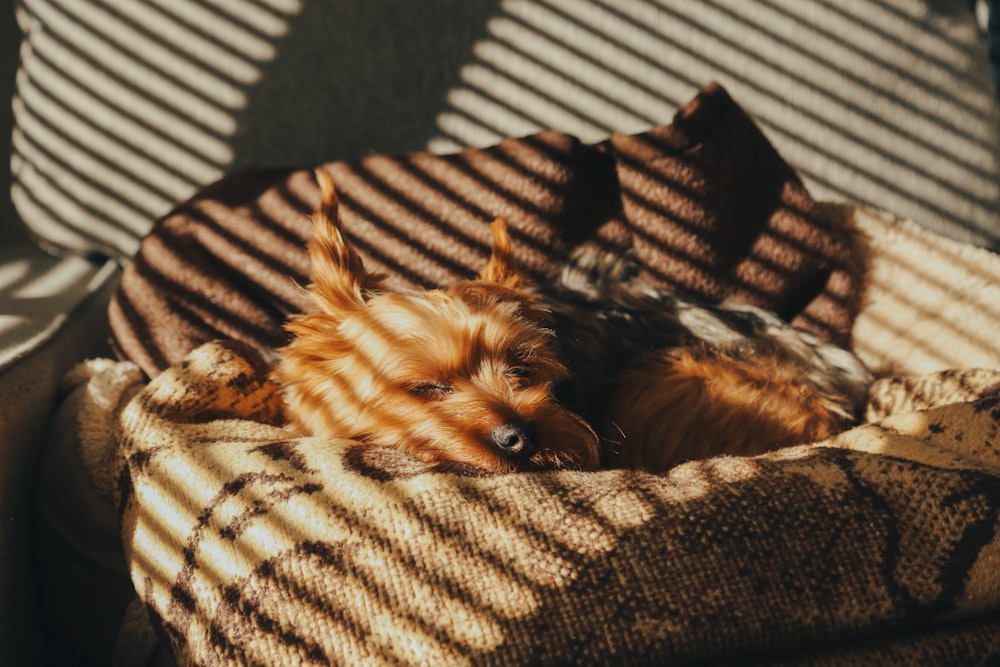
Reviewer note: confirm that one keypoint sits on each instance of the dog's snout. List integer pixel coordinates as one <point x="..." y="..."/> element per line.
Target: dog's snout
<point x="516" y="439"/>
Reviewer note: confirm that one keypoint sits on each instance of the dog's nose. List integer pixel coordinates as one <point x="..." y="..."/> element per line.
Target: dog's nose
<point x="516" y="439"/>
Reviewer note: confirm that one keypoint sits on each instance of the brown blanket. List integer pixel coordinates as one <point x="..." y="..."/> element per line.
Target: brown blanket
<point x="250" y="545"/>
<point x="707" y="203"/>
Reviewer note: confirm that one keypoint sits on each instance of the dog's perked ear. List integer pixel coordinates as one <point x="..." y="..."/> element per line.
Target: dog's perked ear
<point x="339" y="278"/>
<point x="500" y="269"/>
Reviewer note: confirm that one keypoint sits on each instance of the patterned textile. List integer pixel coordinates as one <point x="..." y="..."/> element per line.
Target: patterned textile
<point x="709" y="206"/>
<point x="252" y="546"/>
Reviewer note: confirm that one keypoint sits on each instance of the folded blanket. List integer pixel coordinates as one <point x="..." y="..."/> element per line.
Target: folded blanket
<point x="251" y="546"/>
<point x="710" y="208"/>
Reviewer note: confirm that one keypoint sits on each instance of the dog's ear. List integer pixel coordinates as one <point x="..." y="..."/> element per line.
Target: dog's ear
<point x="500" y="269"/>
<point x="339" y="277"/>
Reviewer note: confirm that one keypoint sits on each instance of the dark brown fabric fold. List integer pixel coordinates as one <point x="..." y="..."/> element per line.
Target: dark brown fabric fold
<point x="716" y="213"/>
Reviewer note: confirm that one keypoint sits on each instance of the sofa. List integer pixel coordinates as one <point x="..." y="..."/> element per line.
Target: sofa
<point x="121" y="111"/>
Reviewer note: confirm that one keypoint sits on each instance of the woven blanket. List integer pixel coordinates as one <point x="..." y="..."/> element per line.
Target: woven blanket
<point x="709" y="207"/>
<point x="250" y="545"/>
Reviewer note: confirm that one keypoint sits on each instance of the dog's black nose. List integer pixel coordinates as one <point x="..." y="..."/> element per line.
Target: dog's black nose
<point x="516" y="439"/>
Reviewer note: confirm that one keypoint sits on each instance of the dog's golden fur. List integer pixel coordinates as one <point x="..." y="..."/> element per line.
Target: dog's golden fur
<point x="464" y="374"/>
<point x="696" y="402"/>
<point x="468" y="374"/>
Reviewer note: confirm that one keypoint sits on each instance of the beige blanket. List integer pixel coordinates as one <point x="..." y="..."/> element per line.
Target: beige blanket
<point x="249" y="545"/>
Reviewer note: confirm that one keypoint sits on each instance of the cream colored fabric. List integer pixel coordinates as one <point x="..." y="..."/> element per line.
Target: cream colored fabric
<point x="932" y="303"/>
<point x="39" y="294"/>
<point x="249" y="545"/>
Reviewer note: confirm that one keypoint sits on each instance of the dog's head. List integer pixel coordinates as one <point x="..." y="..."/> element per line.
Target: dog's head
<point x="464" y="374"/>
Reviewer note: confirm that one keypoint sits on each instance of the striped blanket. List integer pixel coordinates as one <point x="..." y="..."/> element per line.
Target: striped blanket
<point x="706" y="203"/>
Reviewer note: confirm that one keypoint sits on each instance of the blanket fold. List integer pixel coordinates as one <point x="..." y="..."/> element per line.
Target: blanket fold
<point x="706" y="202"/>
<point x="876" y="547"/>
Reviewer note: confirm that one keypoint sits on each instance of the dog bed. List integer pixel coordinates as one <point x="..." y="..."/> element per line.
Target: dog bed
<point x="249" y="545"/>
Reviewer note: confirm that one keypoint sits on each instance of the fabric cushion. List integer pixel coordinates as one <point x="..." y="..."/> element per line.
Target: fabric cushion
<point x="930" y="303"/>
<point x="124" y="108"/>
<point x="708" y="189"/>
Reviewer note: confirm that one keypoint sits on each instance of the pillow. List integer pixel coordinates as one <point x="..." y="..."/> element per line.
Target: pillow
<point x="124" y="108"/>
<point x="709" y="190"/>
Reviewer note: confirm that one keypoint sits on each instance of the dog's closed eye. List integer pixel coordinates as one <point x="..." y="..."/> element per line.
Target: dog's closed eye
<point x="431" y="391"/>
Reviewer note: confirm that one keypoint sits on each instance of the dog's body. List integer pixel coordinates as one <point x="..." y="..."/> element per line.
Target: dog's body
<point x="502" y="377"/>
<point x="688" y="380"/>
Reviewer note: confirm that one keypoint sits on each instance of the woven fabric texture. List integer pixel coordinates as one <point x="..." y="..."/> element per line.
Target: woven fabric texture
<point x="251" y="546"/>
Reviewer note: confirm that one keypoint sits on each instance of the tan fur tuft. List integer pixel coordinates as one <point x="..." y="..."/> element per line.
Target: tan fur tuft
<point x="499" y="269"/>
<point x="339" y="277"/>
<point x="693" y="403"/>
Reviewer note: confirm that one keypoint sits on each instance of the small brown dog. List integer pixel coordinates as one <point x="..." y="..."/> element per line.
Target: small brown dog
<point x="477" y="374"/>
<point x="465" y="374"/>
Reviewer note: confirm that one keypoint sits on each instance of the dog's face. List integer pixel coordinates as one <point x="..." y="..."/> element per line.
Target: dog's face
<point x="464" y="374"/>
